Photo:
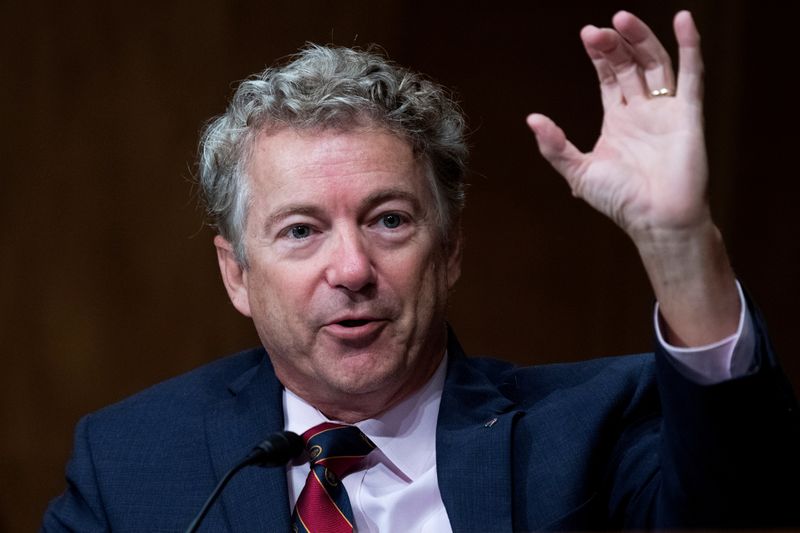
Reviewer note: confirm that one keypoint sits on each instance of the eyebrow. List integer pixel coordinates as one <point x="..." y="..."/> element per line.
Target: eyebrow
<point x="293" y="209"/>
<point x="386" y="195"/>
<point x="374" y="199"/>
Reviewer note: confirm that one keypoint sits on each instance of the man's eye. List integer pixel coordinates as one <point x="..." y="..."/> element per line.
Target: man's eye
<point x="392" y="220"/>
<point x="299" y="232"/>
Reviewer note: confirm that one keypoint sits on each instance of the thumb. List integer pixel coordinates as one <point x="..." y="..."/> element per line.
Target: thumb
<point x="556" y="148"/>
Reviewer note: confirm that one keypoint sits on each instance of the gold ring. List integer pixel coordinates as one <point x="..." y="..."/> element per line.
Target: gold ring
<point x="660" y="92"/>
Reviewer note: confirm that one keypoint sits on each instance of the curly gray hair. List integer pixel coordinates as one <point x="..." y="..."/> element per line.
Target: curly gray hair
<point x="322" y="87"/>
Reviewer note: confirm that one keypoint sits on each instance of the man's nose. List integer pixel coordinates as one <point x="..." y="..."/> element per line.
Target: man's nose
<point x="350" y="265"/>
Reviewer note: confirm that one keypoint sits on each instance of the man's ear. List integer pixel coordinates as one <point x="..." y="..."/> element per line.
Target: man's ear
<point x="234" y="276"/>
<point x="454" y="259"/>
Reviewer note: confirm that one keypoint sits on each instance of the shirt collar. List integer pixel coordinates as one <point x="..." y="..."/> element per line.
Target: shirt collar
<point x="405" y="434"/>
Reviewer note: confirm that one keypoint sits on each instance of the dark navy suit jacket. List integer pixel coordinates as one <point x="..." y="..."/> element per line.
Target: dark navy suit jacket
<point x="621" y="442"/>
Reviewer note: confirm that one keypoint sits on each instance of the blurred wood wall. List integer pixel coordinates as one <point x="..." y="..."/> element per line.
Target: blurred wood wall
<point x="108" y="276"/>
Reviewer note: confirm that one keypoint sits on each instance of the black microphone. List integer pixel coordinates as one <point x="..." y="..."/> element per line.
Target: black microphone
<point x="276" y="450"/>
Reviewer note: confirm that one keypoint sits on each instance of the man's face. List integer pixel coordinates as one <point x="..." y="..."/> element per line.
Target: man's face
<point x="347" y="278"/>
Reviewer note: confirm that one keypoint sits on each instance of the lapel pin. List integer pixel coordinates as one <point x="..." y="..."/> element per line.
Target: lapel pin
<point x="489" y="423"/>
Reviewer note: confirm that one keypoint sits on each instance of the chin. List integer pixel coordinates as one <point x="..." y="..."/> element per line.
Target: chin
<point x="362" y="374"/>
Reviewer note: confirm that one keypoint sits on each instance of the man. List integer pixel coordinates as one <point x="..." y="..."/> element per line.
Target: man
<point x="336" y="185"/>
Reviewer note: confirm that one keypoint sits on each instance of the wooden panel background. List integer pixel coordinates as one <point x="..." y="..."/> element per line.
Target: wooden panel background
<point x="107" y="274"/>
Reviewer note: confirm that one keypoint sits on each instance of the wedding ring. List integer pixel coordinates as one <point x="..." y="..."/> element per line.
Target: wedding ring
<point x="660" y="92"/>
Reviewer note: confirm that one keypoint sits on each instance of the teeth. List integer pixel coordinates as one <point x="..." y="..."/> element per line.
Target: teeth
<point x="353" y="323"/>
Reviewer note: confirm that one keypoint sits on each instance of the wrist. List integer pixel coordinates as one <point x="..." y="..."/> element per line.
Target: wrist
<point x="688" y="242"/>
<point x="693" y="282"/>
<point x="672" y="236"/>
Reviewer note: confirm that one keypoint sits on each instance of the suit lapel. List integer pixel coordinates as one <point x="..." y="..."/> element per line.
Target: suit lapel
<point x="473" y="448"/>
<point x="256" y="499"/>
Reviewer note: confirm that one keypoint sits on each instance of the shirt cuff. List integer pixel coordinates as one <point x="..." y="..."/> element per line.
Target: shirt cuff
<point x="725" y="359"/>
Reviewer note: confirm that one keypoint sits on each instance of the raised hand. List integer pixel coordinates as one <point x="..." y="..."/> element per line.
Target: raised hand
<point x="648" y="171"/>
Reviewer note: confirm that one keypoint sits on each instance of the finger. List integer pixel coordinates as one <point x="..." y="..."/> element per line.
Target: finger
<point x="648" y="51"/>
<point x="619" y="56"/>
<point x="556" y="149"/>
<point x="610" y="91"/>
<point x="690" y="60"/>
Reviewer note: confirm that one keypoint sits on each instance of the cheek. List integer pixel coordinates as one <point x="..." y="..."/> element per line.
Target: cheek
<point x="280" y="294"/>
<point x="419" y="279"/>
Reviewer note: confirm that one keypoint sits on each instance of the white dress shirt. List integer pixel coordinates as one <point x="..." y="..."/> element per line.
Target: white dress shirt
<point x="397" y="490"/>
<point x="729" y="358"/>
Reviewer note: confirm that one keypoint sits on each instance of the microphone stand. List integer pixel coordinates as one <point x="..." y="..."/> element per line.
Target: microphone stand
<point x="277" y="450"/>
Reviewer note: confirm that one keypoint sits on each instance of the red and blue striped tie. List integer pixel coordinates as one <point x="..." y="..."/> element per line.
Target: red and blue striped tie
<point x="334" y="451"/>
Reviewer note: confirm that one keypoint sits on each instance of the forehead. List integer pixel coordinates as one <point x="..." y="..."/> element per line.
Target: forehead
<point x="296" y="163"/>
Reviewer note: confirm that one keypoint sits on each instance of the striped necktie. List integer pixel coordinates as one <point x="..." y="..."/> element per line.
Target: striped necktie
<point x="334" y="451"/>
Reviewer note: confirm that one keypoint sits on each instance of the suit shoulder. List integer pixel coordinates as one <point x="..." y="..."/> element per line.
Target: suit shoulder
<point x="190" y="392"/>
<point x="531" y="383"/>
<point x="491" y="366"/>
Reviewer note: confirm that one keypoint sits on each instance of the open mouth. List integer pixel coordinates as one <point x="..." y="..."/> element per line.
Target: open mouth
<point x="356" y="331"/>
<point x="353" y="323"/>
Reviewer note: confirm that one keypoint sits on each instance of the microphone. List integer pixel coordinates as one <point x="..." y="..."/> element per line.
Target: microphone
<point x="276" y="450"/>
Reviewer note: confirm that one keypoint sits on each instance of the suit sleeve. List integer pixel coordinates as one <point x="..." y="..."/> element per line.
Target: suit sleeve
<point x="728" y="453"/>
<point x="80" y="507"/>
